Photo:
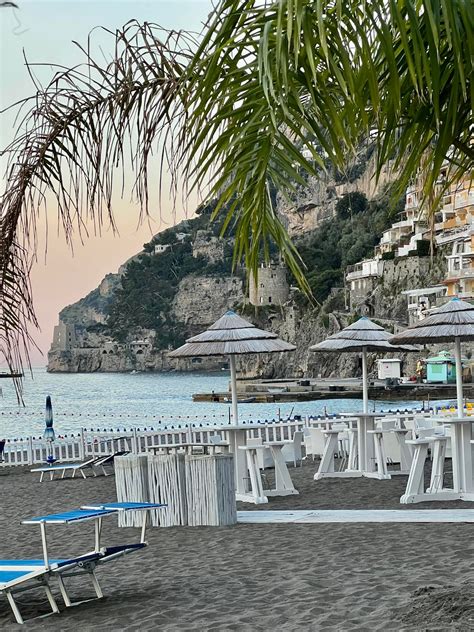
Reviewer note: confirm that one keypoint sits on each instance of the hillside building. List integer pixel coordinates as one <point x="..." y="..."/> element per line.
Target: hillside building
<point x="460" y="278"/>
<point x="159" y="248"/>
<point x="361" y="279"/>
<point x="421" y="300"/>
<point x="271" y="287"/>
<point x="453" y="224"/>
<point x="138" y="347"/>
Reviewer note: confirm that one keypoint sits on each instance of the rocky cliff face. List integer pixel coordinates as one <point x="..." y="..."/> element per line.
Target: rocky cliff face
<point x="316" y="202"/>
<point x="201" y="300"/>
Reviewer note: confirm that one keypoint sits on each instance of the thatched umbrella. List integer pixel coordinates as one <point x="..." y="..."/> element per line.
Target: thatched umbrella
<point x="362" y="336"/>
<point x="230" y="336"/>
<point x="452" y="321"/>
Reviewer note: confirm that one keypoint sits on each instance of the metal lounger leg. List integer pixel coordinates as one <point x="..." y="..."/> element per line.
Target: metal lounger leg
<point x="83" y="474"/>
<point x="41" y="477"/>
<point x="62" y="588"/>
<point x="14" y="607"/>
<point x="51" y="599"/>
<point x="95" y="583"/>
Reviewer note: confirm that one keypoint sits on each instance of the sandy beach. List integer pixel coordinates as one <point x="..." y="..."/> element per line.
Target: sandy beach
<point x="254" y="577"/>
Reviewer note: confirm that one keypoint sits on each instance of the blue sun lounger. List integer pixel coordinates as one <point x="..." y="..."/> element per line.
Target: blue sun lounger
<point x="21" y="575"/>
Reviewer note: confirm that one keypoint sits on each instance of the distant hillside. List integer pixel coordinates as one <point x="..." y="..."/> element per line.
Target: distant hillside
<point x="183" y="280"/>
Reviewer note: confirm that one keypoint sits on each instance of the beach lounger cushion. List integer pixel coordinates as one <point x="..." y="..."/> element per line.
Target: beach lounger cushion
<point x="77" y="515"/>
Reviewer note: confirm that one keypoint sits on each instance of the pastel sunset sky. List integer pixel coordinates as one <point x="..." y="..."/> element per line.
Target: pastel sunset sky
<point x="45" y="31"/>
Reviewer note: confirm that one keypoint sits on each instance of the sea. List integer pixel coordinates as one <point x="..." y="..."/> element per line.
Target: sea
<point x="120" y="401"/>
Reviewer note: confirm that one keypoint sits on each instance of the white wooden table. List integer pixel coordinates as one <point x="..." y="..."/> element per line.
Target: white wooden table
<point x="406" y="454"/>
<point x="283" y="483"/>
<point x="253" y="491"/>
<point x="380" y="457"/>
<point x="237" y="438"/>
<point x="366" y="462"/>
<point x="327" y="465"/>
<point x="461" y="455"/>
<point x="462" y="463"/>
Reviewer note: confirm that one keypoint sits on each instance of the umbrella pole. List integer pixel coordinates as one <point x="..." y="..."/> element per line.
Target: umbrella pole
<point x="457" y="355"/>
<point x="365" y="389"/>
<point x="233" y="386"/>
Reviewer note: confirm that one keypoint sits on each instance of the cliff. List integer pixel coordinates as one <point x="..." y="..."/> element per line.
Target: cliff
<point x="182" y="281"/>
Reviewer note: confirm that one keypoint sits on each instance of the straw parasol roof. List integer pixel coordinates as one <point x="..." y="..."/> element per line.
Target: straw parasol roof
<point x="454" y="319"/>
<point x="231" y="335"/>
<point x="361" y="335"/>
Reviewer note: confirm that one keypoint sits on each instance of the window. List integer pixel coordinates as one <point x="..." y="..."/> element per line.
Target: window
<point x="269" y="299"/>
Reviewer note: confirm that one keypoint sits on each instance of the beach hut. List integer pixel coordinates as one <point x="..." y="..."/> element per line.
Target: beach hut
<point x="231" y="336"/>
<point x="441" y="369"/>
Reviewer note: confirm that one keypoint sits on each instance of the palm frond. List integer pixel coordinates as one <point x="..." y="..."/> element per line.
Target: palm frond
<point x="234" y="113"/>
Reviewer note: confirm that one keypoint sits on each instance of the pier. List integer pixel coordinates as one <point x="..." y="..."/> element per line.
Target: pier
<point x="314" y="389"/>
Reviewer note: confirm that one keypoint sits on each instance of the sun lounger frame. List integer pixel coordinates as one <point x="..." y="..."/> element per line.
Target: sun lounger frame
<point x="35" y="579"/>
<point x="41" y="572"/>
<point x="93" y="462"/>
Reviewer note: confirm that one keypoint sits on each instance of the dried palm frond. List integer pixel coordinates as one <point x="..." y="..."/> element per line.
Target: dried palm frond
<point x="77" y="133"/>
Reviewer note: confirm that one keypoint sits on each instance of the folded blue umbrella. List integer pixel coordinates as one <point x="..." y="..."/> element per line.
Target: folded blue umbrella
<point x="48" y="434"/>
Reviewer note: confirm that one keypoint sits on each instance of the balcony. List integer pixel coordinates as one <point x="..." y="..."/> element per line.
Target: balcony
<point x="363" y="270"/>
<point x="456" y="233"/>
<point x="463" y="273"/>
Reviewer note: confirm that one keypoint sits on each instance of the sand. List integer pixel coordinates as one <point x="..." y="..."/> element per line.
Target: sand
<point x="254" y="577"/>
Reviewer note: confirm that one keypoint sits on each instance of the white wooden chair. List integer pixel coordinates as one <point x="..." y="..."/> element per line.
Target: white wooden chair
<point x="292" y="451"/>
<point x="315" y="444"/>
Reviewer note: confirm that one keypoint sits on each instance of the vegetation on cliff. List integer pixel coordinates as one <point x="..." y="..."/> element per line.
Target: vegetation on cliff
<point x="145" y="298"/>
<point x="344" y="240"/>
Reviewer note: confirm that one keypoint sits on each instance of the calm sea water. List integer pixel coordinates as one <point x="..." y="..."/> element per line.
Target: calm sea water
<point x="122" y="400"/>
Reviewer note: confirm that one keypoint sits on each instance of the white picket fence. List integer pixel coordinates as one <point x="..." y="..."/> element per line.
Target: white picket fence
<point x="89" y="443"/>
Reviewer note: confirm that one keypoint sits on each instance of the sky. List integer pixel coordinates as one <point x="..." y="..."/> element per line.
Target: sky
<point x="44" y="32"/>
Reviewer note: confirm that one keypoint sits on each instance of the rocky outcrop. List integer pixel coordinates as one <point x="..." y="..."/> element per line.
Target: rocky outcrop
<point x="303" y="328"/>
<point x="201" y="300"/>
<point x="316" y="201"/>
<point x="124" y="360"/>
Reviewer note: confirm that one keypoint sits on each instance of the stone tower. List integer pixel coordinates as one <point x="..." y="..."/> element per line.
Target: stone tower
<point x="64" y="337"/>
<point x="271" y="288"/>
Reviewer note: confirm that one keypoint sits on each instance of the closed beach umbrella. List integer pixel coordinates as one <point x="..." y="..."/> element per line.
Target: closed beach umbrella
<point x="362" y="336"/>
<point x="48" y="434"/>
<point x="453" y="321"/>
<point x="232" y="335"/>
